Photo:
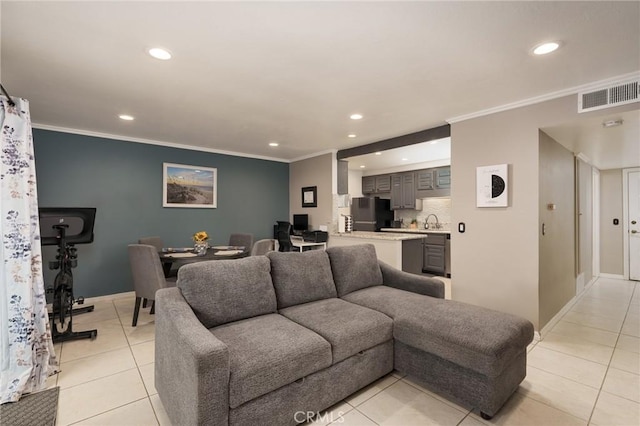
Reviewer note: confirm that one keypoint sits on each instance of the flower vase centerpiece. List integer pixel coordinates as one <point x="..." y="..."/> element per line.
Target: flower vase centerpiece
<point x="200" y="245"/>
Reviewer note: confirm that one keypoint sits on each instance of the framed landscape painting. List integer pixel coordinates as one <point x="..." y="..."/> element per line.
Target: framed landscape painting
<point x="189" y="186"/>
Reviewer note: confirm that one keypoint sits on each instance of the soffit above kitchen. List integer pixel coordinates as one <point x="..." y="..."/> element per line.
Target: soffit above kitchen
<point x="246" y="74"/>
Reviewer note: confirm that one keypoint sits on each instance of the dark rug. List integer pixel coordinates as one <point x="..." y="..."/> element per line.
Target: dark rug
<point x="35" y="409"/>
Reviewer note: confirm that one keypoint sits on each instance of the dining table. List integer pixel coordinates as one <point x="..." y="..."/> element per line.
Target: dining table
<point x="170" y="257"/>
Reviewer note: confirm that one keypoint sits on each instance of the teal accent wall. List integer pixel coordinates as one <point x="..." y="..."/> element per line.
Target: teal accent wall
<point x="123" y="180"/>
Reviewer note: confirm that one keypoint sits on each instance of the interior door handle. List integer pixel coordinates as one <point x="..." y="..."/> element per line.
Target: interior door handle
<point x="633" y="231"/>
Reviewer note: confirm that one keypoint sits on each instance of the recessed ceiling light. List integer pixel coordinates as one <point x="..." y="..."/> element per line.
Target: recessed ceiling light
<point x="352" y="135"/>
<point x="433" y="142"/>
<point x="126" y="117"/>
<point x="160" y="53"/>
<point x="612" y="123"/>
<point x="378" y="153"/>
<point x="273" y="144"/>
<point x="362" y="167"/>
<point x="355" y="116"/>
<point x="405" y="159"/>
<point x="544" y="48"/>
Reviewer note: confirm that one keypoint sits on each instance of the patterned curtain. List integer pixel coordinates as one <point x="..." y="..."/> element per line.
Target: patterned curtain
<point x="26" y="347"/>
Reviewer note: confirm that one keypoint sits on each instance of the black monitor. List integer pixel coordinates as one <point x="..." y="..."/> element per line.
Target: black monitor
<point x="79" y="219"/>
<point x="300" y="222"/>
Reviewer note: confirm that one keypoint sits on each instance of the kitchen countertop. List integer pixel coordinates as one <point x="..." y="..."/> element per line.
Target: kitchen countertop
<point x="389" y="236"/>
<point x="416" y="230"/>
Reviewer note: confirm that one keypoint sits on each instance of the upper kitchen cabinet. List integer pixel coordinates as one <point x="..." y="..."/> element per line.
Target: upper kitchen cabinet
<point x="379" y="184"/>
<point x="434" y="182"/>
<point x="403" y="191"/>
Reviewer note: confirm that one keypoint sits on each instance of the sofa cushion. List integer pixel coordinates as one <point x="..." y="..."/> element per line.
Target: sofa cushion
<point x="301" y="277"/>
<point x="354" y="267"/>
<point x="349" y="328"/>
<point x="221" y="291"/>
<point x="268" y="352"/>
<point x="477" y="338"/>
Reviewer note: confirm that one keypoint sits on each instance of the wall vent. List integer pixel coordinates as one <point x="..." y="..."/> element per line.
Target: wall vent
<point x="610" y="96"/>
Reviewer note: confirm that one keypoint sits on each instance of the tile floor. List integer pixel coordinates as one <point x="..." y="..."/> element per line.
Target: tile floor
<point x="585" y="371"/>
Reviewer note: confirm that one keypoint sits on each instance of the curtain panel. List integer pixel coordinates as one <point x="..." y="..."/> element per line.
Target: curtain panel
<point x="26" y="347"/>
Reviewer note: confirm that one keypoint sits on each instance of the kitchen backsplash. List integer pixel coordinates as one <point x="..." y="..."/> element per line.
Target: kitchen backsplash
<point x="440" y="207"/>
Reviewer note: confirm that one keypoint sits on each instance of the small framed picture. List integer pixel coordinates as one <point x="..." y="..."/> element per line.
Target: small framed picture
<point x="189" y="186"/>
<point x="492" y="186"/>
<point x="309" y="196"/>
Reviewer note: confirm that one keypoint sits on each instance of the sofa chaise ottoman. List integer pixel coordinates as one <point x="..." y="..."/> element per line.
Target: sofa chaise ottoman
<point x="266" y="339"/>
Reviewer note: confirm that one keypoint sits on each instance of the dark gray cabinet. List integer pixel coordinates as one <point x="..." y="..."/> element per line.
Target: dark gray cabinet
<point x="376" y="184"/>
<point x="403" y="191"/>
<point x="443" y="178"/>
<point x="412" y="258"/>
<point x="434" y="182"/>
<point x="424" y="180"/>
<point x="434" y="259"/>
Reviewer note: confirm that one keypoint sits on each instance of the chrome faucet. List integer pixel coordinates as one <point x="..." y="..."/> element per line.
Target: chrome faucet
<point x="426" y="222"/>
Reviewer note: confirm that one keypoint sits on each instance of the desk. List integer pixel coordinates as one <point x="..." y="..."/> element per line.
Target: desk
<point x="300" y="244"/>
<point x="178" y="258"/>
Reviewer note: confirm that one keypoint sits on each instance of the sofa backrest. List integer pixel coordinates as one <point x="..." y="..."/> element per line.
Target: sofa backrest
<point x="301" y="277"/>
<point x="222" y="291"/>
<point x="354" y="268"/>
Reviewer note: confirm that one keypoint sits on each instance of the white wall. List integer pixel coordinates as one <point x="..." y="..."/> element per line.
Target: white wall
<point x="319" y="172"/>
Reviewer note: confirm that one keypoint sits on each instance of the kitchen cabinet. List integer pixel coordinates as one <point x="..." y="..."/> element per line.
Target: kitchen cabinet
<point x="403" y="191"/>
<point x="412" y="258"/>
<point x="376" y="184"/>
<point x="434" y="182"/>
<point x="434" y="259"/>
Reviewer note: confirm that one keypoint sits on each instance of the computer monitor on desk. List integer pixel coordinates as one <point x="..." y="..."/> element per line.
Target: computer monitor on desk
<point x="300" y="223"/>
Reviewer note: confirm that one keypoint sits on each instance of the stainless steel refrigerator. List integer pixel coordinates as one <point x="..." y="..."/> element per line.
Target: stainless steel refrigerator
<point x="371" y="213"/>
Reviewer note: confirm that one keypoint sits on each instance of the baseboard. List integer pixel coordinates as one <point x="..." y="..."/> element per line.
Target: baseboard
<point x="106" y="297"/>
<point x="612" y="276"/>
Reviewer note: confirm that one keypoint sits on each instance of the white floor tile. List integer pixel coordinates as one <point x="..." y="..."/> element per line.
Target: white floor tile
<point x="103" y="310"/>
<point x="424" y="388"/>
<point x="471" y="421"/>
<point x="403" y="404"/>
<point x="625" y="360"/>
<point x="523" y="411"/>
<point x="371" y="390"/>
<point x="622" y="383"/>
<point x="144" y="353"/>
<point x="110" y="337"/>
<point x="161" y="414"/>
<point x="590" y="334"/>
<point x="141" y="333"/>
<point x="577" y="346"/>
<point x="139" y="413"/>
<point x="629" y="343"/>
<point x="568" y="366"/>
<point x="588" y="320"/>
<point x="93" y="367"/>
<point x="353" y="418"/>
<point x="564" y="394"/>
<point x="99" y="396"/>
<point x="612" y="410"/>
<point x="147" y="373"/>
<point x="608" y="309"/>
<point x="631" y="325"/>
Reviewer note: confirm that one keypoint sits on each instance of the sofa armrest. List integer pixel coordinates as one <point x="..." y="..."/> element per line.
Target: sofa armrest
<point x="393" y="277"/>
<point x="191" y="364"/>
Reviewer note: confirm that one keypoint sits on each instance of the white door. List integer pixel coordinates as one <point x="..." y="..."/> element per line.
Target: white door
<point x="634" y="225"/>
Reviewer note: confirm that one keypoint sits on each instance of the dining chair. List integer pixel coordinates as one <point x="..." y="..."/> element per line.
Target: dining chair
<point x="262" y="247"/>
<point x="148" y="276"/>
<point x="244" y="240"/>
<point x="158" y="244"/>
<point x="284" y="241"/>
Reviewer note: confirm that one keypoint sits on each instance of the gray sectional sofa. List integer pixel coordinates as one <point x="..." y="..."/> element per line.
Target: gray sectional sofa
<point x="257" y="341"/>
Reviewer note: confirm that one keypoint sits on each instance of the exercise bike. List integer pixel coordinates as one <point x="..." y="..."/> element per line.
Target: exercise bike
<point x="62" y="313"/>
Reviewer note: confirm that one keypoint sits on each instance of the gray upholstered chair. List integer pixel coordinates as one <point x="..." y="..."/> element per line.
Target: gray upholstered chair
<point x="244" y="240"/>
<point x="148" y="276"/>
<point x="262" y="247"/>
<point x="152" y="241"/>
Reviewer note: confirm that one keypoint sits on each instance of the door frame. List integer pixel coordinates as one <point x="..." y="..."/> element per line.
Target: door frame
<point x="625" y="219"/>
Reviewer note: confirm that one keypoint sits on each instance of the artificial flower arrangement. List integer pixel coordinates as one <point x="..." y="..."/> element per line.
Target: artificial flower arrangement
<point x="200" y="237"/>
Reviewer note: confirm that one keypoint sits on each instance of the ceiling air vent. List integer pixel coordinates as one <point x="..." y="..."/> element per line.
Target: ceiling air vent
<point x="610" y="96"/>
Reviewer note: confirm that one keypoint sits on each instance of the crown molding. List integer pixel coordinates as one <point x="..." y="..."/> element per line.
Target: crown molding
<point x="317" y="154"/>
<point x="546" y="97"/>
<point x="155" y="142"/>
